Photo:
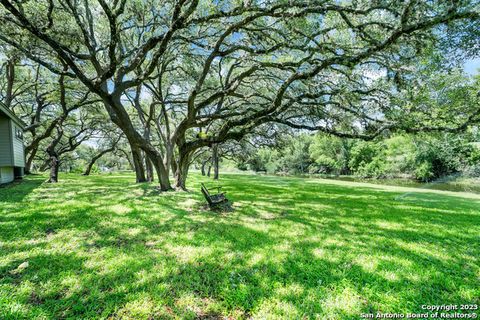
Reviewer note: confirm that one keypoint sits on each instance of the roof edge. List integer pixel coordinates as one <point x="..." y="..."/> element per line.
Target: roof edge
<point x="12" y="116"/>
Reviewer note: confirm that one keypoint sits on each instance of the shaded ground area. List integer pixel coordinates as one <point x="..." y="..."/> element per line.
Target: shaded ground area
<point x="101" y="246"/>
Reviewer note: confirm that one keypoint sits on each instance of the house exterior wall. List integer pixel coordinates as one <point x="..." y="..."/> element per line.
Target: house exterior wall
<point x="6" y="154"/>
<point x="6" y="174"/>
<point x="17" y="146"/>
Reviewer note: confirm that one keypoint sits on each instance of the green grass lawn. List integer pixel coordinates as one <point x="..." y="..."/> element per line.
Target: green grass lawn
<point x="104" y="247"/>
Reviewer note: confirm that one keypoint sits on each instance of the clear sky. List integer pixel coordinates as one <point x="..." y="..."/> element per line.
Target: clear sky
<point x="472" y="66"/>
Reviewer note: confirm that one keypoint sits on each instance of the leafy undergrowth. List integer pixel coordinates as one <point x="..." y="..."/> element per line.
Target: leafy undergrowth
<point x="104" y="247"/>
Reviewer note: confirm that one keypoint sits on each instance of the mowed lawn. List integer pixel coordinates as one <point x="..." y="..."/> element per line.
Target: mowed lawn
<point x="105" y="247"/>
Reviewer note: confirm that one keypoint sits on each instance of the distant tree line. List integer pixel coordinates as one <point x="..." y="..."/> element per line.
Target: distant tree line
<point x="422" y="157"/>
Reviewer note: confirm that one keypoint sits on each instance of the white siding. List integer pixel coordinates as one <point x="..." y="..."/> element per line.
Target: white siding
<point x="6" y="174"/>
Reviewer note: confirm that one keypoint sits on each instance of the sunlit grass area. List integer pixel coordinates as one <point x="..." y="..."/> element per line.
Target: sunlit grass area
<point x="104" y="247"/>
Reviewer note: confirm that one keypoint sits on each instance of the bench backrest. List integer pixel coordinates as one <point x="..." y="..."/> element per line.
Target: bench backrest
<point x="205" y="190"/>
<point x="206" y="194"/>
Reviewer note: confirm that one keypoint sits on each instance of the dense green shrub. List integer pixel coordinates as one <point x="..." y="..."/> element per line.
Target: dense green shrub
<point x="440" y="156"/>
<point x="295" y="157"/>
<point x="423" y="157"/>
<point x="367" y="159"/>
<point x="265" y="159"/>
<point x="330" y="154"/>
<point x="424" y="171"/>
<point x="473" y="171"/>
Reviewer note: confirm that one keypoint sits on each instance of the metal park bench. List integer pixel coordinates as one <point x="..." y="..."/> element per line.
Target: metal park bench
<point x="214" y="200"/>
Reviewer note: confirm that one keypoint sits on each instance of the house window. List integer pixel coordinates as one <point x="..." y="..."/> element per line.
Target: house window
<point x="18" y="133"/>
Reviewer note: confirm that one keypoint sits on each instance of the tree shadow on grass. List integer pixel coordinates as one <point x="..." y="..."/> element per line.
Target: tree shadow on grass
<point x="125" y="253"/>
<point x="77" y="287"/>
<point x="17" y="191"/>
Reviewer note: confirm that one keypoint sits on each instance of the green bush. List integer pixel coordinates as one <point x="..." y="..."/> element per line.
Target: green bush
<point x="295" y="156"/>
<point x="445" y="155"/>
<point x="242" y="166"/>
<point x="265" y="159"/>
<point x="473" y="171"/>
<point x="424" y="171"/>
<point x="330" y="154"/>
<point x="367" y="159"/>
<point x="423" y="157"/>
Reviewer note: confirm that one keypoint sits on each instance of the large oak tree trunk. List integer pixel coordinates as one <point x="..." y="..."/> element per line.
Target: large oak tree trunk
<point x="182" y="171"/>
<point x="29" y="161"/>
<point x="138" y="164"/>
<point x="173" y="166"/>
<point x="94" y="159"/>
<point x="54" y="167"/>
<point x="162" y="173"/>
<point x="128" y="157"/>
<point x="120" y="117"/>
<point x="149" y="169"/>
<point x="89" y="168"/>
<point x="146" y="136"/>
<point x="215" y="161"/>
<point x="10" y="81"/>
<point x="168" y="161"/>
